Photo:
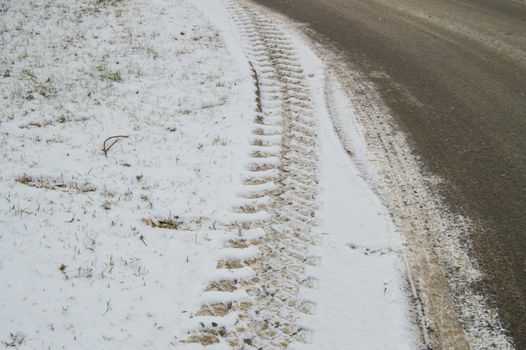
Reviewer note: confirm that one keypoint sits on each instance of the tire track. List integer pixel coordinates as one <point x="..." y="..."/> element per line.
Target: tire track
<point x="264" y="269"/>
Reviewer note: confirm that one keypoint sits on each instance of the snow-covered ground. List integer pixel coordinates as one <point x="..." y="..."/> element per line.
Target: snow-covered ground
<point x="134" y="242"/>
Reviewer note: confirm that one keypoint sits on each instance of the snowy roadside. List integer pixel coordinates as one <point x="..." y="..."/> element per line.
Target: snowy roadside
<point x="125" y="249"/>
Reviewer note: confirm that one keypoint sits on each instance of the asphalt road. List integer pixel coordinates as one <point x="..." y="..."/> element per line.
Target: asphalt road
<point x="457" y="85"/>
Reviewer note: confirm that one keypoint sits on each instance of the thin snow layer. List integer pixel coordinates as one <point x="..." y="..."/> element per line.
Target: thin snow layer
<point x="361" y="297"/>
<point x="115" y="250"/>
<point x="81" y="266"/>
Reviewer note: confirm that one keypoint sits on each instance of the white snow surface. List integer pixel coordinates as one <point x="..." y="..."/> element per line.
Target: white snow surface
<point x="361" y="297"/>
<point x="81" y="267"/>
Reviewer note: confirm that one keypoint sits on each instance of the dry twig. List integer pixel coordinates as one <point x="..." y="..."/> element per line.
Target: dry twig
<point x="106" y="148"/>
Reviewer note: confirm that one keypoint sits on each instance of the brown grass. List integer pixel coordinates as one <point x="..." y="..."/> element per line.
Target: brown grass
<point x="54" y="184"/>
<point x="171" y="223"/>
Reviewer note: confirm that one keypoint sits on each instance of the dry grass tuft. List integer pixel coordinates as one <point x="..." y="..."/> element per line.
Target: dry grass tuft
<point x="15" y="340"/>
<point x="171" y="223"/>
<point x="55" y="184"/>
<point x="107" y="2"/>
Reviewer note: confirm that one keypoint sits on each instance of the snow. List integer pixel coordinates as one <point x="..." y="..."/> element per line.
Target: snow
<point x="183" y="100"/>
<point x="362" y="294"/>
<point x="82" y="265"/>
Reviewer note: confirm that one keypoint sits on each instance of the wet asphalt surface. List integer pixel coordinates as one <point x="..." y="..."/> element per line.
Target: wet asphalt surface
<point x="453" y="72"/>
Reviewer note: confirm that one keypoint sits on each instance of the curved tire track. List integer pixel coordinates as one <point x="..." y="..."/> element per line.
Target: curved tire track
<point x="277" y="207"/>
